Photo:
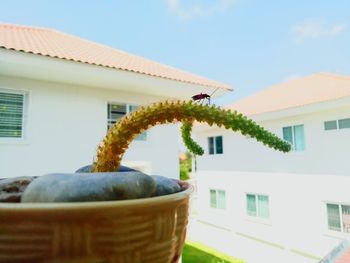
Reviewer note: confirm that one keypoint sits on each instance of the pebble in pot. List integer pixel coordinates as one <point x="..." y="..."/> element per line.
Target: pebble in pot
<point x="11" y="189"/>
<point x="83" y="187"/>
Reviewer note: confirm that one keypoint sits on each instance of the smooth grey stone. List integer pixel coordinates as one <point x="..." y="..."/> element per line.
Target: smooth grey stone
<point x="82" y="187"/>
<point x="11" y="189"/>
<point x="165" y="185"/>
<point x="87" y="169"/>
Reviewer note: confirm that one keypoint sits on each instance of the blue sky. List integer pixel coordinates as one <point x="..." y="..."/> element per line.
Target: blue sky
<point x="249" y="44"/>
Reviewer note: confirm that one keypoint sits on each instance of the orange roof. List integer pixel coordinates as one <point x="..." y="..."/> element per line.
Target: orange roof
<point x="339" y="254"/>
<point x="345" y="257"/>
<point x="316" y="88"/>
<point x="52" y="43"/>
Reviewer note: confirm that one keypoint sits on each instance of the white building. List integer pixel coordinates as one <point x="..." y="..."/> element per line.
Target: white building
<point x="298" y="202"/>
<point x="59" y="93"/>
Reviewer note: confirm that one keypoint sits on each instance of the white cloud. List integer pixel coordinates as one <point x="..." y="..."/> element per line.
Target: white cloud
<point x="198" y="8"/>
<point x="315" y="29"/>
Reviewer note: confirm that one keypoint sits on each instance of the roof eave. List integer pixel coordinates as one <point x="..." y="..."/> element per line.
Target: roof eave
<point x="301" y="109"/>
<point x="26" y="65"/>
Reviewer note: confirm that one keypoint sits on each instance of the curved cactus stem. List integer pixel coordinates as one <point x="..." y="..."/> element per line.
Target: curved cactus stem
<point x="118" y="138"/>
<point x="191" y="145"/>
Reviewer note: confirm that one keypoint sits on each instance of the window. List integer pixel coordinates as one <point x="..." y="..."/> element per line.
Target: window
<point x="258" y="205"/>
<point x="338" y="217"/>
<point x="215" y="145"/>
<point x="295" y="136"/>
<point x="330" y="125"/>
<point x="344" y="123"/>
<point x="116" y="111"/>
<point x="12" y="114"/>
<point x="217" y="199"/>
<point x="337" y="124"/>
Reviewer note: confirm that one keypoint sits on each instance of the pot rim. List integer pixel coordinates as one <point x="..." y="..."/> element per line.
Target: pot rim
<point x="100" y="204"/>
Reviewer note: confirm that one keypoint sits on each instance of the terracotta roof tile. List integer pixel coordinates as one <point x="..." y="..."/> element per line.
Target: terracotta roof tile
<point x="339" y="254"/>
<point x="316" y="88"/>
<point x="52" y="43"/>
<point x="344" y="257"/>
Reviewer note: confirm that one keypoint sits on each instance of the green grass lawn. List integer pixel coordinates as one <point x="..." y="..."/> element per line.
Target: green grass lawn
<point x="198" y="253"/>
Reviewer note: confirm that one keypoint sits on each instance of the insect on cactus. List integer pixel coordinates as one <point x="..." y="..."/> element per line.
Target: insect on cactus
<point x="118" y="138"/>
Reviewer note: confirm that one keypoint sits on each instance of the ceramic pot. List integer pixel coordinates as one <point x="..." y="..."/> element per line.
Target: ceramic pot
<point x="149" y="230"/>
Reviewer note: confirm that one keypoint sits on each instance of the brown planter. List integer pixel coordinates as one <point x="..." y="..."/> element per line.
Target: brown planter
<point x="149" y="230"/>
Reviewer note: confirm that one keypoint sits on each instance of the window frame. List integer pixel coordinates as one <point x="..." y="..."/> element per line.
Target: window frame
<point x="215" y="148"/>
<point x="143" y="137"/>
<point x="24" y="124"/>
<point x="257" y="206"/>
<point x="340" y="211"/>
<point x="337" y="121"/>
<point x="221" y="207"/>
<point x="294" y="143"/>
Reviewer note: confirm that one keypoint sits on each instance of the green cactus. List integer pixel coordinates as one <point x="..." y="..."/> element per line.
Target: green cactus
<point x="191" y="145"/>
<point x="118" y="138"/>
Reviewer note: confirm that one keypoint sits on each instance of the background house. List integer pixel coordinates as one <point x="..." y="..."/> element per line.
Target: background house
<point x="59" y="94"/>
<point x="298" y="202"/>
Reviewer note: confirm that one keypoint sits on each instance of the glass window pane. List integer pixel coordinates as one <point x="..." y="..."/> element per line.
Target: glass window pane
<point x="211" y="145"/>
<point x="118" y="108"/>
<point x="263" y="205"/>
<point x="218" y="144"/>
<point x="287" y="134"/>
<point x="299" y="137"/>
<point x="251" y="205"/>
<point x="11" y="114"/>
<point x="221" y="199"/>
<point x="333" y="217"/>
<point x="115" y="112"/>
<point x="344" y="123"/>
<point x="141" y="137"/>
<point x="115" y="116"/>
<point x="213" y="198"/>
<point x="330" y="125"/>
<point x="346" y="218"/>
<point x="133" y="108"/>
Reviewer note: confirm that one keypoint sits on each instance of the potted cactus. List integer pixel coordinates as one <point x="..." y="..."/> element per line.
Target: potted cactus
<point x="111" y="214"/>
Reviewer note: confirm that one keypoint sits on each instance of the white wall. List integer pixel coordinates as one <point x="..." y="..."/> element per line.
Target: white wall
<point x="298" y="183"/>
<point x="298" y="217"/>
<point x="327" y="152"/>
<point x="65" y="124"/>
